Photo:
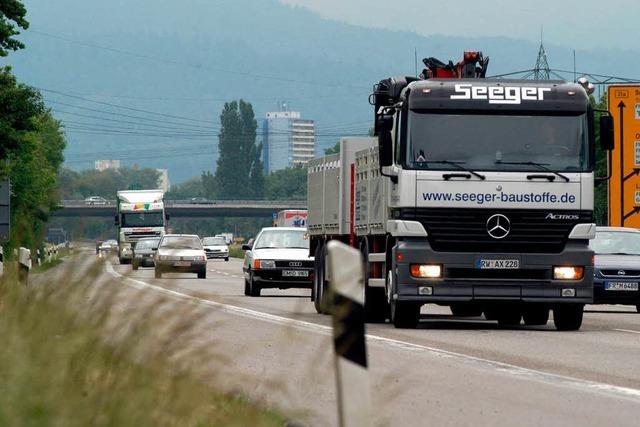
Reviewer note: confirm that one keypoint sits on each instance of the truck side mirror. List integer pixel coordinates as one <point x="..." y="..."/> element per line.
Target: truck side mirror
<point x="385" y="143"/>
<point x="116" y="221"/>
<point x="606" y="133"/>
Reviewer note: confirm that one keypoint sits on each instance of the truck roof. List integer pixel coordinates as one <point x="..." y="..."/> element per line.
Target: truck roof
<point x="140" y="196"/>
<point x="503" y="94"/>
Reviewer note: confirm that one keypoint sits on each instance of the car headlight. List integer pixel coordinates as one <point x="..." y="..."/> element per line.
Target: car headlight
<point x="264" y="263"/>
<point x="199" y="258"/>
<point x="164" y="257"/>
<point x="139" y="255"/>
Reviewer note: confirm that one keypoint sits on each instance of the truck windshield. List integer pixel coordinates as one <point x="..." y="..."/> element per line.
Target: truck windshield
<point x="142" y="219"/>
<point x="497" y="142"/>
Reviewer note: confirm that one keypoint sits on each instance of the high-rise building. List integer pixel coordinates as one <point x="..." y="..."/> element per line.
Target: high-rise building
<point x="287" y="140"/>
<point x="101" y="165"/>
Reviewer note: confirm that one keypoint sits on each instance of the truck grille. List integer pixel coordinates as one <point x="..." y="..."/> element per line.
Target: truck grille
<point x="465" y="230"/>
<point x="137" y="235"/>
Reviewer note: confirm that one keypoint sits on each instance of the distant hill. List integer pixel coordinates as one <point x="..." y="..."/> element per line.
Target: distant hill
<point x="183" y="59"/>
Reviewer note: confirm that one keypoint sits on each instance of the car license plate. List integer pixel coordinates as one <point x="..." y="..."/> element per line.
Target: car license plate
<point x="621" y="286"/>
<point x="295" y="273"/>
<point x="182" y="263"/>
<point x="503" y="264"/>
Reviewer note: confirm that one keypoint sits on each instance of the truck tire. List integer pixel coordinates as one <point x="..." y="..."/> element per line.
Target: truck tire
<point x="536" y="315"/>
<point x="375" y="300"/>
<point x="568" y="317"/>
<point x="319" y="284"/>
<point x="157" y="273"/>
<point x="465" y="310"/>
<point x="509" y="316"/>
<point x="122" y="261"/>
<point x="405" y="315"/>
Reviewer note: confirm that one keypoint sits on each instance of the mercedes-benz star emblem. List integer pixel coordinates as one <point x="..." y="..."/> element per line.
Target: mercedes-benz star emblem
<point x="498" y="226"/>
<point x="621" y="273"/>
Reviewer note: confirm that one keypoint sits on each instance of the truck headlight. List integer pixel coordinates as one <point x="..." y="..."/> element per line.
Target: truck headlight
<point x="429" y="271"/>
<point x="264" y="263"/>
<point x="568" y="272"/>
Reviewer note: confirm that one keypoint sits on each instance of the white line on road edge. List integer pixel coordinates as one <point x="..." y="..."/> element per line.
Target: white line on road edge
<point x="505" y="368"/>
<point x="627" y="330"/>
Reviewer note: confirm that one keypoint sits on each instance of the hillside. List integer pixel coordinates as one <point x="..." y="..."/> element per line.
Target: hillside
<point x="185" y="59"/>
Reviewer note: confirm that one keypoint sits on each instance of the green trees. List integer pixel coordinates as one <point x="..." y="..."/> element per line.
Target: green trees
<point x="12" y="13"/>
<point x="239" y="169"/>
<point x="287" y="184"/>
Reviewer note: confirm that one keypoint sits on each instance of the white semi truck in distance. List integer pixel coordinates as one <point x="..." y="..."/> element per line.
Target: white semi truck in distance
<point x="477" y="194"/>
<point x="140" y="214"/>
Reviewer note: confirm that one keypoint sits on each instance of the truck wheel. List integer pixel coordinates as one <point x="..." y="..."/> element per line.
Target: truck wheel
<point x="536" y="315"/>
<point x="254" y="288"/>
<point x="122" y="261"/>
<point x="404" y="315"/>
<point x="509" y="316"/>
<point x="157" y="273"/>
<point x="465" y="310"/>
<point x="319" y="284"/>
<point x="568" y="317"/>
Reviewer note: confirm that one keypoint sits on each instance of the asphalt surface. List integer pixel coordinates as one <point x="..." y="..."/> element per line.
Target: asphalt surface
<point x="450" y="371"/>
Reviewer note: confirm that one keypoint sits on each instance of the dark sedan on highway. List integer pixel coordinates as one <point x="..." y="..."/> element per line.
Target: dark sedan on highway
<point x="144" y="252"/>
<point x="617" y="266"/>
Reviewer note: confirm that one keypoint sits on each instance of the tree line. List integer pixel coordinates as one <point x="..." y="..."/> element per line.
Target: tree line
<point x="31" y="142"/>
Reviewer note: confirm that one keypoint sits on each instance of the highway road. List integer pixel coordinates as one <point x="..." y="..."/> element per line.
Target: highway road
<point x="450" y="371"/>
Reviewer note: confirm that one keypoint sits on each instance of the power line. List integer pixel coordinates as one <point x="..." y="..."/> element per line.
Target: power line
<point x="187" y="64"/>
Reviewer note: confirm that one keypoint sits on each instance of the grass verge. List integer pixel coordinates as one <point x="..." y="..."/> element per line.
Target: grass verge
<point x="62" y="364"/>
<point x="235" y="251"/>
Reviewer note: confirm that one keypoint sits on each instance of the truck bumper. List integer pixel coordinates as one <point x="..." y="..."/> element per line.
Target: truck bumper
<point x="462" y="280"/>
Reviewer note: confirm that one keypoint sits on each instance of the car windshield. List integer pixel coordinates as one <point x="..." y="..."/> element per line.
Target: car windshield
<point x="214" y="241"/>
<point x="142" y="219"/>
<point x="181" y="242"/>
<point x="147" y="244"/>
<point x="283" y="239"/>
<point x="497" y="142"/>
<point x="616" y="243"/>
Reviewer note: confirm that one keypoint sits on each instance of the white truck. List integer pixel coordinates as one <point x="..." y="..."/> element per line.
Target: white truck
<point x="140" y="214"/>
<point x="291" y="218"/>
<point x="477" y="194"/>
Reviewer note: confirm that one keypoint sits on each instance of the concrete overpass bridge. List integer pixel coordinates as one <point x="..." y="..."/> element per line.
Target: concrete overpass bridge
<point x="186" y="208"/>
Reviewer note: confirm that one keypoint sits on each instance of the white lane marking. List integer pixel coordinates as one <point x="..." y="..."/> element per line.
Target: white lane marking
<point x="502" y="367"/>
<point x="627" y="330"/>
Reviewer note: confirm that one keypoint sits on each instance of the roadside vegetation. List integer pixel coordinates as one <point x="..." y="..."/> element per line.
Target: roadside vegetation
<point x="69" y="359"/>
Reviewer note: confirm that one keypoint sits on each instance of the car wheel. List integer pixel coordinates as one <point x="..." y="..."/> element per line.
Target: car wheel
<point x="509" y="316"/>
<point x="202" y="274"/>
<point x="254" y="288"/>
<point x="638" y="308"/>
<point x="226" y="259"/>
<point x="536" y="315"/>
<point x="568" y="317"/>
<point x="157" y="273"/>
<point x="465" y="310"/>
<point x="247" y="288"/>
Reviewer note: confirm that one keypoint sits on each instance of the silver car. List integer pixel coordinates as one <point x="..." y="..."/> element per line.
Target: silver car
<point x="181" y="253"/>
<point x="278" y="258"/>
<point x="216" y="247"/>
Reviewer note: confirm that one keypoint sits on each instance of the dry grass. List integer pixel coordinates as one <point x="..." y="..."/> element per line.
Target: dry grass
<point x="76" y="352"/>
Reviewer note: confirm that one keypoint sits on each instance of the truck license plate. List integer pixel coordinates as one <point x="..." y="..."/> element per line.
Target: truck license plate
<point x="621" y="286"/>
<point x="182" y="263"/>
<point x="503" y="264"/>
<point x="295" y="273"/>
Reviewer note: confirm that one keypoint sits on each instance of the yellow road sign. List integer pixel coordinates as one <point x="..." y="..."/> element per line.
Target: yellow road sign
<point x="624" y="185"/>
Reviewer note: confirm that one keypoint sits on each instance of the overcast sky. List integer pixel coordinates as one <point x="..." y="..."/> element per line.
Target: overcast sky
<point x="571" y="23"/>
